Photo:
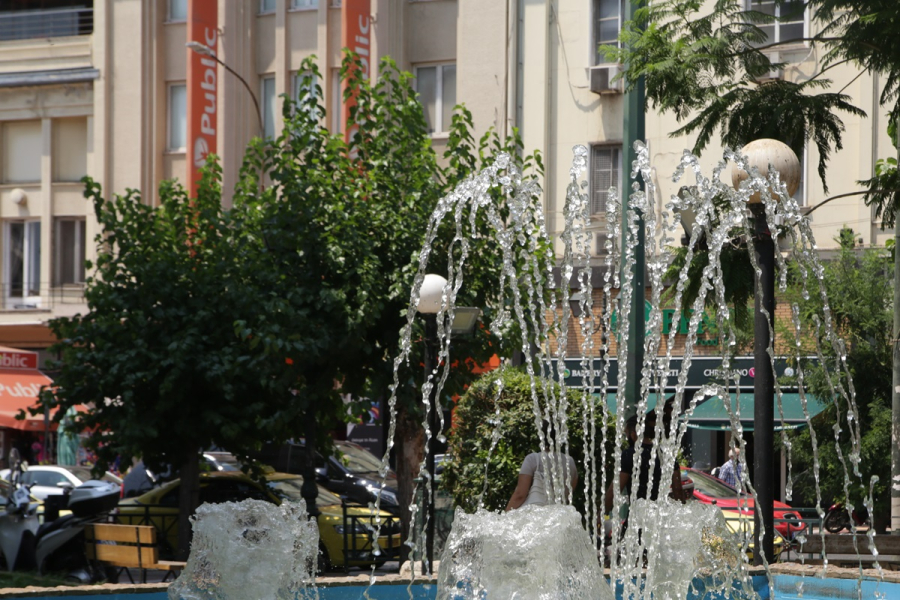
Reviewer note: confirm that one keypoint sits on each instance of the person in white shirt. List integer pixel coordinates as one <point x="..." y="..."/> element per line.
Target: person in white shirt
<point x="536" y="484"/>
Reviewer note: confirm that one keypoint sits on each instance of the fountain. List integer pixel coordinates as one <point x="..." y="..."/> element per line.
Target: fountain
<point x="491" y="555"/>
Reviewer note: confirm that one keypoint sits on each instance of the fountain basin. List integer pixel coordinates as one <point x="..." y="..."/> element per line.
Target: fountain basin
<point x="790" y="581"/>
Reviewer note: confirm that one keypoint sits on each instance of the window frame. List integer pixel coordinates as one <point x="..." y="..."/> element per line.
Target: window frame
<point x="78" y="255"/>
<point x="170" y="18"/>
<point x="263" y="11"/>
<point x="444" y="130"/>
<point x="617" y="170"/>
<point x="595" y="58"/>
<point x="31" y="261"/>
<point x="776" y="26"/>
<point x="170" y="148"/>
<point x="295" y="8"/>
<point x="264" y="105"/>
<point x="297" y="88"/>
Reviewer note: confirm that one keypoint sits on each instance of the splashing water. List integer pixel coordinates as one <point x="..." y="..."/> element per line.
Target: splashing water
<point x="250" y="549"/>
<point x="491" y="553"/>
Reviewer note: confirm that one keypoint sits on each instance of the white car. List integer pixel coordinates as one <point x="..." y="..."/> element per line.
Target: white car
<point x="45" y="480"/>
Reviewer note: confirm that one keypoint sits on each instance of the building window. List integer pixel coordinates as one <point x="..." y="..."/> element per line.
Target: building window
<point x="792" y="19"/>
<point x="269" y="106"/>
<point x="436" y="86"/>
<point x="337" y="102"/>
<point x="31" y="19"/>
<point x="305" y="83"/>
<point x="69" y="251"/>
<point x="606" y="167"/>
<point x="23" y="258"/>
<point x="607" y="23"/>
<point x="304" y="4"/>
<point x="177" y="117"/>
<point x="177" y="11"/>
<point x="70" y="149"/>
<point x="266" y="6"/>
<point x="22" y="151"/>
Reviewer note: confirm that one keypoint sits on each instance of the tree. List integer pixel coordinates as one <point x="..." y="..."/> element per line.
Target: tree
<point x="156" y="355"/>
<point x="705" y="69"/>
<point x="860" y="289"/>
<point x="343" y="225"/>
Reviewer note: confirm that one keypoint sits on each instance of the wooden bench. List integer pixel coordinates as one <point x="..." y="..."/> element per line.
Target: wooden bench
<point x="125" y="547"/>
<point x="840" y="550"/>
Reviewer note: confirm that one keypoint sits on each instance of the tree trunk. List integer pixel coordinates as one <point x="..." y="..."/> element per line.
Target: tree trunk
<point x="188" y="501"/>
<point x="410" y="441"/>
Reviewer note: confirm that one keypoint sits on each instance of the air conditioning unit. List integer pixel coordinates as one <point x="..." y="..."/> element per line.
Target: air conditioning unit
<point x="601" y="78"/>
<point x="775" y="73"/>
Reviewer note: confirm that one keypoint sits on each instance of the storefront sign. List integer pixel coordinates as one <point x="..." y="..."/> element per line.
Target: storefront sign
<point x="18" y="360"/>
<point x="202" y="28"/>
<point x="703" y="371"/>
<point x="356" y="34"/>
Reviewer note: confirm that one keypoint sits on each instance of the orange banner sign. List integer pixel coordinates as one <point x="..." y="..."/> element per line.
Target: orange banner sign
<point x="202" y="24"/>
<point x="356" y="34"/>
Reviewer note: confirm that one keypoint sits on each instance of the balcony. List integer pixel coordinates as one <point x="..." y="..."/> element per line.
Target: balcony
<point x="56" y="298"/>
<point x="46" y="23"/>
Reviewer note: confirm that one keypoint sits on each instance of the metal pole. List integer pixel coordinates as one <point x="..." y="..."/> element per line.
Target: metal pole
<point x="895" y="381"/>
<point x="763" y="392"/>
<point x="310" y="489"/>
<point x="895" y="395"/>
<point x="633" y="130"/>
<point x="431" y="342"/>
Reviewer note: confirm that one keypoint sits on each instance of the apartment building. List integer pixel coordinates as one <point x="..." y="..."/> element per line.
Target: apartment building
<point x="99" y="88"/>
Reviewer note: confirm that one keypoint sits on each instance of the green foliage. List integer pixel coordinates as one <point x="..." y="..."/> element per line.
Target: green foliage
<point x="707" y="69"/>
<point x="859" y="285"/>
<point x="475" y="421"/>
<point x="156" y="356"/>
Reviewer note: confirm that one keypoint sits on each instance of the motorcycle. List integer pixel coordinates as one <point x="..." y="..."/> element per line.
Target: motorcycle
<point x="837" y="518"/>
<point x="58" y="544"/>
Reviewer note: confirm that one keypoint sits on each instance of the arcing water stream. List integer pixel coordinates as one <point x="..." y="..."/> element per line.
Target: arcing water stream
<point x="491" y="553"/>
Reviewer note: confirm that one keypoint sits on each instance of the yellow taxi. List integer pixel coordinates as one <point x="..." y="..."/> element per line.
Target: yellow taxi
<point x="342" y="541"/>
<point x="742" y="528"/>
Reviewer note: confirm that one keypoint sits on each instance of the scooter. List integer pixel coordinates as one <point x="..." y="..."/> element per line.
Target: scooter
<point x="60" y="543"/>
<point x="18" y="521"/>
<point x="838" y="518"/>
<point x="57" y="545"/>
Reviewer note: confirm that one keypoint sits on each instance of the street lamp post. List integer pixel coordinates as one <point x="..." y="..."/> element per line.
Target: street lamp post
<point x="763" y="154"/>
<point x="430" y="299"/>
<point x="431" y="296"/>
<point x="207" y="51"/>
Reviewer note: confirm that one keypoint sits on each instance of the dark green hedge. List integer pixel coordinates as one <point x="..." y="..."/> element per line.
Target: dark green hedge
<point x="473" y="428"/>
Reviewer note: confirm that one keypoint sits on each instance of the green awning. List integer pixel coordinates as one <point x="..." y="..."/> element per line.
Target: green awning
<point x="651" y="401"/>
<point x="712" y="414"/>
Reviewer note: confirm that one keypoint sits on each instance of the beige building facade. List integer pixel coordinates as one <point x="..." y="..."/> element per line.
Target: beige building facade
<point x="98" y="88"/>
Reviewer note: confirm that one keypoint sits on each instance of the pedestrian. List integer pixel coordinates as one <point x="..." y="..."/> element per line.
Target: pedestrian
<point x="536" y="486"/>
<point x="643" y="472"/>
<point x="731" y="471"/>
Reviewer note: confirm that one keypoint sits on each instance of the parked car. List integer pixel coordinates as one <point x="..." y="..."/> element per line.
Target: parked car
<point x="159" y="507"/>
<point x="140" y="479"/>
<point x="742" y="528"/>
<point x="352" y="472"/>
<point x="48" y="480"/>
<point x="710" y="490"/>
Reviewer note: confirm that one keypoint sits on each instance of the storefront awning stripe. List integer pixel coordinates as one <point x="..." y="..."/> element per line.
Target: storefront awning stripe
<point x="712" y="414"/>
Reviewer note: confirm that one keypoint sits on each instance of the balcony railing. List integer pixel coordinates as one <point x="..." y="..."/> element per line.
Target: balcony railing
<point x="47" y="297"/>
<point x="31" y="24"/>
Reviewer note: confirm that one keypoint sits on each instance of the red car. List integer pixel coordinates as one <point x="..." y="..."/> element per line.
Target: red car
<point x="710" y="490"/>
